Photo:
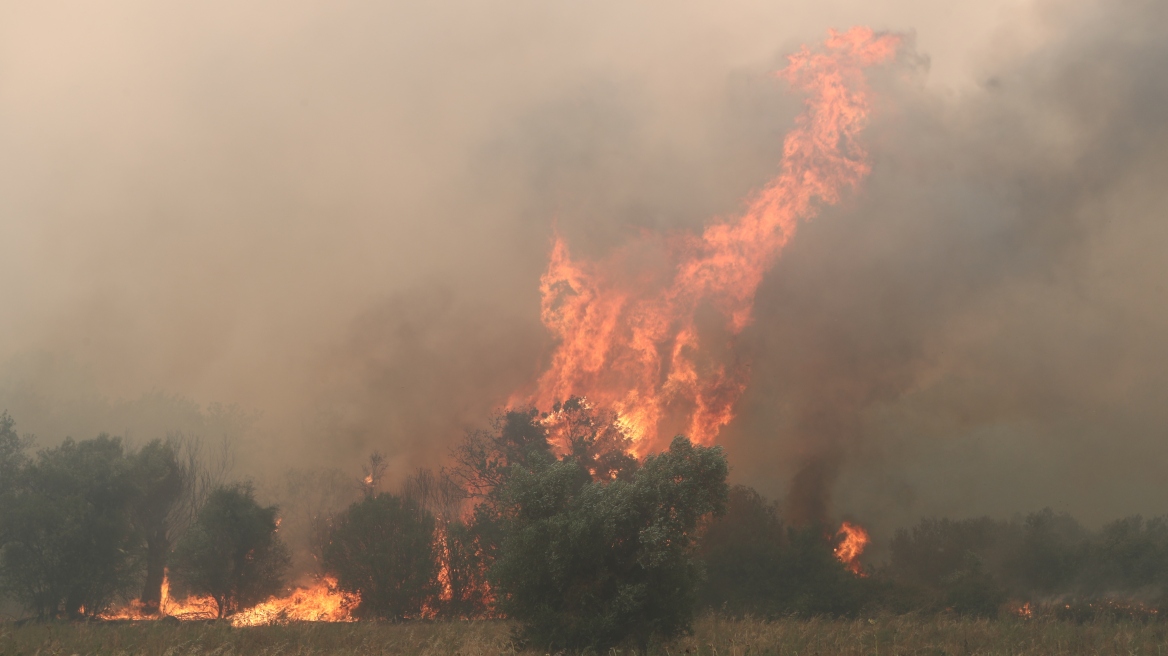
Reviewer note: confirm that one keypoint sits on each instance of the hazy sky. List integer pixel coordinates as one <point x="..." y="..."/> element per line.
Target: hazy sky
<point x="335" y="215"/>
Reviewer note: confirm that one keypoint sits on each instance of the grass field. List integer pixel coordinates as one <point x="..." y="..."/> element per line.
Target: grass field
<point x="881" y="636"/>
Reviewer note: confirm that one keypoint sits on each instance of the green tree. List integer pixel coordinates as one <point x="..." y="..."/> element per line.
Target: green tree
<point x="484" y="463"/>
<point x="588" y="563"/>
<point x="231" y="552"/>
<point x="383" y="548"/>
<point x="68" y="541"/>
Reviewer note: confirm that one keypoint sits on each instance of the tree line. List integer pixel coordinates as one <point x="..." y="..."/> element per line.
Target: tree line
<point x="542" y="518"/>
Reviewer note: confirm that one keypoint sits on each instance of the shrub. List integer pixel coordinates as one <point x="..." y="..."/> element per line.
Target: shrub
<point x="589" y="564"/>
<point x="231" y="552"/>
<point x="383" y="548"/>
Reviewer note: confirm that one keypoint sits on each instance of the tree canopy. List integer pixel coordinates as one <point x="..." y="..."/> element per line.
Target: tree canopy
<point x="231" y="552"/>
<point x="68" y="542"/>
<point x="587" y="563"/>
<point x="383" y="548"/>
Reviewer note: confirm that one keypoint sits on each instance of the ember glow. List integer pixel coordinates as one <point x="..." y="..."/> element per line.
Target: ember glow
<point x="853" y="540"/>
<point x="631" y="342"/>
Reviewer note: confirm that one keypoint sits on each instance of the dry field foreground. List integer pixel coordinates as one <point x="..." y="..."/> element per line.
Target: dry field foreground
<point x="882" y="636"/>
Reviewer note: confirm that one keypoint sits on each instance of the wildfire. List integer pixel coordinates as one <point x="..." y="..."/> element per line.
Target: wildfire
<point x="190" y="608"/>
<point x="322" y="602"/>
<point x="853" y="541"/>
<point x="631" y="343"/>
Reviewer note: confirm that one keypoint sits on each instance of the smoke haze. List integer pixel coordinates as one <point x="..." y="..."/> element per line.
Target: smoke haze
<point x="332" y="219"/>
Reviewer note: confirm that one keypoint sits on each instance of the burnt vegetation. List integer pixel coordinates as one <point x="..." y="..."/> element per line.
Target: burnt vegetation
<point x="544" y="519"/>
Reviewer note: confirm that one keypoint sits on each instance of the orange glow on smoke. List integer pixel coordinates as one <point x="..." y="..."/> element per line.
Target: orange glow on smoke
<point x="855" y="539"/>
<point x="629" y="341"/>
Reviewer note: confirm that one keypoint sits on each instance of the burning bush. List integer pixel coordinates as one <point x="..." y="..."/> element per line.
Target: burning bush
<point x="231" y="552"/>
<point x="758" y="566"/>
<point x="160" y="480"/>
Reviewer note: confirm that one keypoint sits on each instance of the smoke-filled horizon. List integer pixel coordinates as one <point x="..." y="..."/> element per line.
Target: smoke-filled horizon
<point x="335" y="218"/>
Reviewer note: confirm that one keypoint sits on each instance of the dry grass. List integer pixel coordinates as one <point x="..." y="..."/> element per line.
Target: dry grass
<point x="881" y="636"/>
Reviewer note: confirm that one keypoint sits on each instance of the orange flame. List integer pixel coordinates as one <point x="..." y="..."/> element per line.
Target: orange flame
<point x="322" y="602"/>
<point x="190" y="608"/>
<point x="630" y="341"/>
<point x="855" y="539"/>
<point x="442" y="548"/>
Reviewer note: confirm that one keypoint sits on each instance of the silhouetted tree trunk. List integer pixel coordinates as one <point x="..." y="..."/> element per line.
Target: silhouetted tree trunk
<point x="157" y="546"/>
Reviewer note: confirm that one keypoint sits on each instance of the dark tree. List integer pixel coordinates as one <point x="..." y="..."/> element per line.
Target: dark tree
<point x="938" y="549"/>
<point x="66" y="530"/>
<point x="383" y="548"/>
<point x="469" y="592"/>
<point x="743" y="552"/>
<point x="464" y="590"/>
<point x="587" y="564"/>
<point x="160" y="482"/>
<point x="1047" y="557"/>
<point x="812" y="581"/>
<point x="1130" y="554"/>
<point x="483" y="460"/>
<point x="12" y="453"/>
<point x="231" y="552"/>
<point x="483" y="463"/>
<point x="972" y="590"/>
<point x="372" y="473"/>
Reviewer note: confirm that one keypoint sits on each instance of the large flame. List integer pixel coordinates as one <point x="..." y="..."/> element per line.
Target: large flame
<point x="853" y="540"/>
<point x="630" y="341"/>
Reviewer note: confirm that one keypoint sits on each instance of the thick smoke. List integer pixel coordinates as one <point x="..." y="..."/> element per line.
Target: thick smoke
<point x="974" y="331"/>
<point x="336" y="217"/>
